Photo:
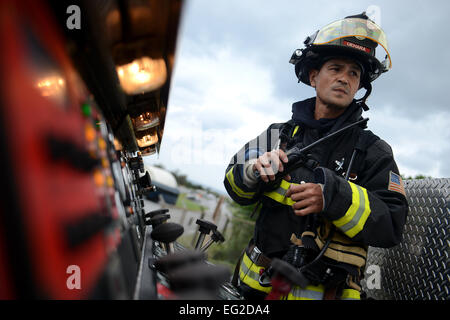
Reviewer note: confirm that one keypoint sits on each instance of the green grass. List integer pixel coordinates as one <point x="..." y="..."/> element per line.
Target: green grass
<point x="184" y="203"/>
<point x="186" y="241"/>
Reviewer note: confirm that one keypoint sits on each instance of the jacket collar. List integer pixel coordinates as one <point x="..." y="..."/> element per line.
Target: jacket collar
<point x="303" y="115"/>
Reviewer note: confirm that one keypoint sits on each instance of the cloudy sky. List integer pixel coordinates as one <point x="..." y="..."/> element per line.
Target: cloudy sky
<point x="232" y="80"/>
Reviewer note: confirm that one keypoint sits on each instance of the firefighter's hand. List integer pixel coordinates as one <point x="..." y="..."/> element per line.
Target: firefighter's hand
<point x="270" y="163"/>
<point x="308" y="198"/>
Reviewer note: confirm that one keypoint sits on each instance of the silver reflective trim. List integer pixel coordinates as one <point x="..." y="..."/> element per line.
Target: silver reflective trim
<point x="249" y="273"/>
<point x="359" y="212"/>
<point x="299" y="293"/>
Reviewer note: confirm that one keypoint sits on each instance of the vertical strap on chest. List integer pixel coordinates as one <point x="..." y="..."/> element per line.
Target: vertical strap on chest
<point x="365" y="139"/>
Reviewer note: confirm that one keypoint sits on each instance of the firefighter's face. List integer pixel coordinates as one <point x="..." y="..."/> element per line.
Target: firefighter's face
<point x="337" y="82"/>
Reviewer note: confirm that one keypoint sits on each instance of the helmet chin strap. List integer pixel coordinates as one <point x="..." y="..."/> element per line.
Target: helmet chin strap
<point x="362" y="102"/>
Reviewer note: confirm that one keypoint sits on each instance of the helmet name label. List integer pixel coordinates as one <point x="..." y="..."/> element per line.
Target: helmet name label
<point x="356" y="46"/>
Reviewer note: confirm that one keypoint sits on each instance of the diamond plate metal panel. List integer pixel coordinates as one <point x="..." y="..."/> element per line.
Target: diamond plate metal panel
<point x="416" y="269"/>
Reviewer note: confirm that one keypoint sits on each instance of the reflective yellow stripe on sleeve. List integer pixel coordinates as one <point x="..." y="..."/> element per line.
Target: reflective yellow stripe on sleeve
<point x="309" y="293"/>
<point x="295" y="131"/>
<point x="279" y="194"/>
<point x="350" y="294"/>
<point x="356" y="216"/>
<point x="239" y="192"/>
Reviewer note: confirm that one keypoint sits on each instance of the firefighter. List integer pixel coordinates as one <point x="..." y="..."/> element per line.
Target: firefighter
<point x="347" y="194"/>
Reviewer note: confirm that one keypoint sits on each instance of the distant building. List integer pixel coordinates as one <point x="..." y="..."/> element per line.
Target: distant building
<point x="165" y="183"/>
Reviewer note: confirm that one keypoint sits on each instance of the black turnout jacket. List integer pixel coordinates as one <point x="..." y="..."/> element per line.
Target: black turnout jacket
<point x="370" y="208"/>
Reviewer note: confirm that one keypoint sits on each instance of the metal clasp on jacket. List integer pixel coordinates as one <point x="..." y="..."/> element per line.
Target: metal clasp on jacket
<point x="339" y="166"/>
<point x="255" y="254"/>
<point x="352" y="176"/>
<point x="265" y="278"/>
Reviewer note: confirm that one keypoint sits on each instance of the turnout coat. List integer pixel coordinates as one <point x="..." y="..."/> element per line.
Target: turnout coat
<point x="369" y="209"/>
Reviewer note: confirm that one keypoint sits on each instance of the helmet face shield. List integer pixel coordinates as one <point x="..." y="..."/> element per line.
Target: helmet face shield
<point x="359" y="30"/>
<point x="355" y="37"/>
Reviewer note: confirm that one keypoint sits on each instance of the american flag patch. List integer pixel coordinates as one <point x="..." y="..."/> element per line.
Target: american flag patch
<point x="396" y="183"/>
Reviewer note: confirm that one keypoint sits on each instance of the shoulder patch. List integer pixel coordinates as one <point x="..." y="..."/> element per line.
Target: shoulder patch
<point x="396" y="183"/>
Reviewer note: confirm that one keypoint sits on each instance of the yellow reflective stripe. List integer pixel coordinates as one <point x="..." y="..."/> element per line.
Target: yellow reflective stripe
<point x="252" y="283"/>
<point x="356" y="216"/>
<point x="279" y="194"/>
<point x="309" y="293"/>
<point x="280" y="198"/>
<point x="285" y="185"/>
<point x="249" y="274"/>
<point x="295" y="131"/>
<point x="250" y="264"/>
<point x="350" y="294"/>
<point x="241" y="193"/>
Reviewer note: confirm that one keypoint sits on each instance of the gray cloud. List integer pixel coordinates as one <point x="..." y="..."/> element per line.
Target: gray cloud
<point x="269" y="32"/>
<point x="265" y="34"/>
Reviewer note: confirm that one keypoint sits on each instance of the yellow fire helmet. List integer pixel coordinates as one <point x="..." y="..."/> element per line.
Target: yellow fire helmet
<point x="354" y="37"/>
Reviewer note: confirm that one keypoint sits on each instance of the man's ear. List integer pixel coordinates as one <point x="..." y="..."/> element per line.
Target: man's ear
<point x="312" y="77"/>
